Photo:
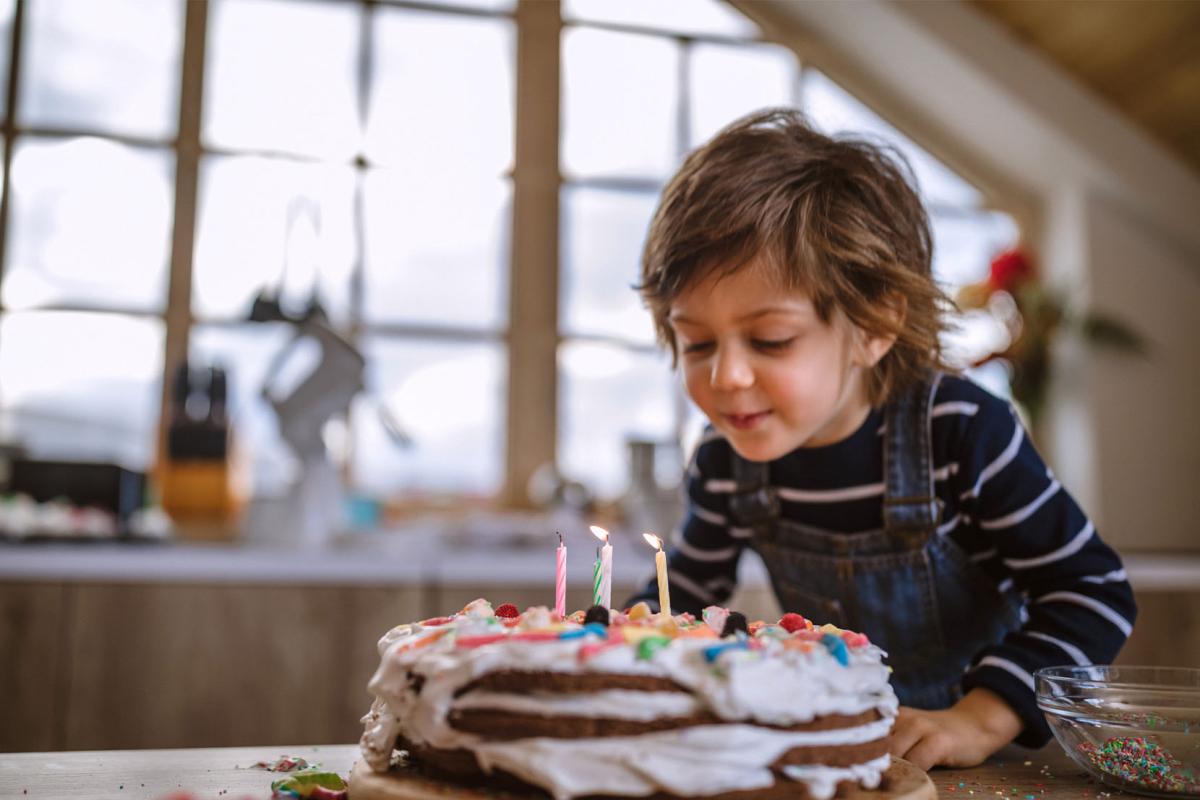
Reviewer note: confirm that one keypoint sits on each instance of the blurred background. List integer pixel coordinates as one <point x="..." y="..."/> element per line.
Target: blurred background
<point x="316" y="316"/>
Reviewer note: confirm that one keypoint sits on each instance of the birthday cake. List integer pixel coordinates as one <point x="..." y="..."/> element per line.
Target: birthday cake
<point x="611" y="704"/>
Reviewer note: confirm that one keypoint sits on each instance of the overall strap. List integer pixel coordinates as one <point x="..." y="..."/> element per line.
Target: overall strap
<point x="911" y="510"/>
<point x="753" y="503"/>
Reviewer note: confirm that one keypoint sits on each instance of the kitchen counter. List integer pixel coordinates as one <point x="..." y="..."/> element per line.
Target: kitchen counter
<point x="425" y="555"/>
<point x="227" y="773"/>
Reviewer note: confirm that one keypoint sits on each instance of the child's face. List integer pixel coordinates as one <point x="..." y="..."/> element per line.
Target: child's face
<point x="770" y="375"/>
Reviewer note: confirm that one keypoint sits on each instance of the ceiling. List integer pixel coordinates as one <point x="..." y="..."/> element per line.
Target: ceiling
<point x="1143" y="56"/>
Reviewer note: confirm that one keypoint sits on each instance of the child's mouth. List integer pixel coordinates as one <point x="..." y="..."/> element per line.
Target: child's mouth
<point x="744" y="422"/>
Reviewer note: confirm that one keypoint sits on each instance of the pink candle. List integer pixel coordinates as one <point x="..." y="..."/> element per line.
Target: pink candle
<point x="560" y="579"/>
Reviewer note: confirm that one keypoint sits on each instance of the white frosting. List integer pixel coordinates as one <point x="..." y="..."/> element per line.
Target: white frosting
<point x="610" y="704"/>
<point x="822" y="781"/>
<point x="774" y="685"/>
<point x="691" y="762"/>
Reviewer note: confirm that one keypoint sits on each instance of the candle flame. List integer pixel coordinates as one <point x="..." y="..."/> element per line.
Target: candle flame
<point x="653" y="540"/>
<point x="599" y="533"/>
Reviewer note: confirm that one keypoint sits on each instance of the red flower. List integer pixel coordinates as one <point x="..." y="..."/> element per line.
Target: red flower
<point x="1008" y="269"/>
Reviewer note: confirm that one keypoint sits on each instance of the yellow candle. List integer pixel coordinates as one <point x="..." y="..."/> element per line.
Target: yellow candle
<point x="660" y="566"/>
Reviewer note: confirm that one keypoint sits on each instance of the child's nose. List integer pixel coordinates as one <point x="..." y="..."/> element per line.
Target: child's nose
<point x="731" y="370"/>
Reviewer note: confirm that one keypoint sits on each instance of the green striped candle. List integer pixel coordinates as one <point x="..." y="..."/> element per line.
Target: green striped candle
<point x="597" y="580"/>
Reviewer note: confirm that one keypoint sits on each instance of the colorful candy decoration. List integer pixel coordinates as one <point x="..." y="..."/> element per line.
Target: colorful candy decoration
<point x="794" y="622"/>
<point x="597" y="615"/>
<point x="734" y="623"/>
<point x="508" y="611"/>
<point x="714" y="617"/>
<point x="598" y="629"/>
<point x="836" y="647"/>
<point x="1142" y="763"/>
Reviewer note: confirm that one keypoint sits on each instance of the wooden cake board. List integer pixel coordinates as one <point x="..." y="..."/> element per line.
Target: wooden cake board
<point x="902" y="781"/>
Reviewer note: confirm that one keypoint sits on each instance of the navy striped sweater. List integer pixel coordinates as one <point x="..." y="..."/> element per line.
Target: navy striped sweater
<point x="1003" y="506"/>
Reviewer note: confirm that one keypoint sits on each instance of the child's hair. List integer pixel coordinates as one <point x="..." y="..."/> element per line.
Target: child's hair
<point x="834" y="217"/>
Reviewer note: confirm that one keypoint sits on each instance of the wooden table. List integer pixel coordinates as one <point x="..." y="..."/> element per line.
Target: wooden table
<point x="225" y="773"/>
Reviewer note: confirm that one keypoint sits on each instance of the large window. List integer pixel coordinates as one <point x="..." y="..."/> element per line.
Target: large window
<point x="362" y="154"/>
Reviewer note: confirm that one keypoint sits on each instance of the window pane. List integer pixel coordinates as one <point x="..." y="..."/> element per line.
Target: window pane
<point x="603" y="232"/>
<point x="680" y="16"/>
<point x="263" y="222"/>
<point x="91" y="225"/>
<point x="620" y="95"/>
<point x="436" y="252"/>
<point x="834" y="110"/>
<point x="963" y="250"/>
<point x="81" y="386"/>
<point x="6" y="17"/>
<point x="112" y="65"/>
<point x="282" y="76"/>
<point x="246" y="353"/>
<point x="607" y="395"/>
<point x="449" y="398"/>
<point x="963" y="245"/>
<point x="729" y="82"/>
<point x="443" y="93"/>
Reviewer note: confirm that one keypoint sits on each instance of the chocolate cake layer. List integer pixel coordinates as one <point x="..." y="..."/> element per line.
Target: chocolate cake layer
<point x="508" y="725"/>
<point x="458" y="767"/>
<point x="567" y="682"/>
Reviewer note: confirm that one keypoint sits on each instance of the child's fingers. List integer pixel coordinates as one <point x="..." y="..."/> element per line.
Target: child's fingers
<point x="908" y="730"/>
<point x="930" y="751"/>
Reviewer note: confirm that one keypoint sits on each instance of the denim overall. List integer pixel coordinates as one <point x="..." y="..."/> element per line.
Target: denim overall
<point x="912" y="591"/>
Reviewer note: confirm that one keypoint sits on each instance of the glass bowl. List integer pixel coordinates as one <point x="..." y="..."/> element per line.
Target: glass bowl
<point x="1133" y="728"/>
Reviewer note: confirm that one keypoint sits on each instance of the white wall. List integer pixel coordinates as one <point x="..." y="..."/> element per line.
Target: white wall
<point x="1112" y="214"/>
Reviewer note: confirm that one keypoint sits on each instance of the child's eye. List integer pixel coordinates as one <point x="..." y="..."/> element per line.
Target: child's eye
<point x="772" y="344"/>
<point x="696" y="347"/>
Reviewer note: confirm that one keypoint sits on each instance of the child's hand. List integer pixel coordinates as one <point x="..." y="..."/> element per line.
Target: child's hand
<point x="961" y="736"/>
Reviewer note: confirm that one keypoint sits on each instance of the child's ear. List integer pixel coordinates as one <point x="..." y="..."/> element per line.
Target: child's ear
<point x="875" y="347"/>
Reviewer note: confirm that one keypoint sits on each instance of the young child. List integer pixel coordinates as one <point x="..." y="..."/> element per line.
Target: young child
<point x="789" y="273"/>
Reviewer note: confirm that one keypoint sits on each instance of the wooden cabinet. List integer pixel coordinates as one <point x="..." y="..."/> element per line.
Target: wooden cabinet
<point x="145" y="666"/>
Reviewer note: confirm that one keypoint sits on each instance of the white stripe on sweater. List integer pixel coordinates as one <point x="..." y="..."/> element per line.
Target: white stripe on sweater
<point x="946" y="527"/>
<point x="1116" y="576"/>
<point x="1000" y="463"/>
<point x="955" y="407"/>
<point x="1070" y="548"/>
<point x="942" y="473"/>
<point x="700" y="554"/>
<point x="718" y="486"/>
<point x="1074" y="652"/>
<point x="1007" y="666"/>
<point x="708" y="516"/>
<point x="982" y="555"/>
<point x="830" y="495"/>
<point x="1092" y="604"/>
<point x="690" y="586"/>
<point x="1021" y="514"/>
